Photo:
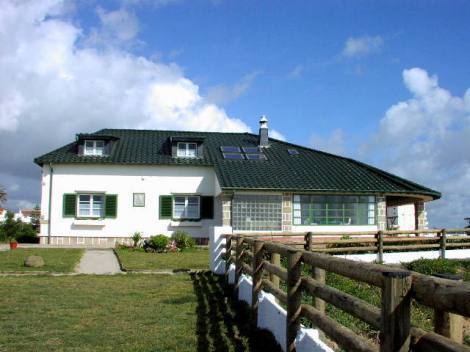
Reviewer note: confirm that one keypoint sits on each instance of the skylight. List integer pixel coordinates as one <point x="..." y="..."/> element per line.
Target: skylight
<point x="251" y="150"/>
<point x="234" y="156"/>
<point x="293" y="151"/>
<point x="230" y="149"/>
<point x="258" y="156"/>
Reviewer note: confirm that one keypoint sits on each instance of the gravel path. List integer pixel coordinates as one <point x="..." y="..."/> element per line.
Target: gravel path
<point x="98" y="261"/>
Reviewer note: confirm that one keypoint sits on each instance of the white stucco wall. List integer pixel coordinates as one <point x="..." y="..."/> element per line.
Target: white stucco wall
<point x="124" y="181"/>
<point x="406" y="216"/>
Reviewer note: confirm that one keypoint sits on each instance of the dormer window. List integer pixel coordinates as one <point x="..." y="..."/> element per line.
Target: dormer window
<point x="186" y="150"/>
<point x="94" y="147"/>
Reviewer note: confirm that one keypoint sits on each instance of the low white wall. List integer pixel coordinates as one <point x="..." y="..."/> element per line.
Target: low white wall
<point x="406" y="257"/>
<point x="217" y="248"/>
<point x="272" y="317"/>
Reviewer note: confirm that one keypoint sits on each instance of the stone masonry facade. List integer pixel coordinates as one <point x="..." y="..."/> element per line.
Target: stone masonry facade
<point x="421" y="218"/>
<point x="381" y="213"/>
<point x="226" y="209"/>
<point x="286" y="212"/>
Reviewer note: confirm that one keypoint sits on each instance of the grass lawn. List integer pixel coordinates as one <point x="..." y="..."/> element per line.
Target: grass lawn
<point x="135" y="312"/>
<point x="55" y="259"/>
<point x="197" y="258"/>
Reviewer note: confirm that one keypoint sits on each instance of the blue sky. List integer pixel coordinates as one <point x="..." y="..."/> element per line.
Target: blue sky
<point x="381" y="81"/>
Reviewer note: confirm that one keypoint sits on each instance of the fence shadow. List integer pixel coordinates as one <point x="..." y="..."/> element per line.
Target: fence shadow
<point x="224" y="323"/>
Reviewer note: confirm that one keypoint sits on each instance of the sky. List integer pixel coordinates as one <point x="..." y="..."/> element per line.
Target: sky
<point x="384" y="82"/>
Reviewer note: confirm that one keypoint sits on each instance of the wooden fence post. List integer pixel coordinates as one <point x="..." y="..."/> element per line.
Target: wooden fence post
<point x="320" y="276"/>
<point x="380" y="247"/>
<point x="449" y="324"/>
<point x="238" y="262"/>
<point x="442" y="245"/>
<point x="275" y="260"/>
<point x="228" y="255"/>
<point x="294" y="298"/>
<point x="308" y="241"/>
<point x="396" y="305"/>
<point x="257" y="276"/>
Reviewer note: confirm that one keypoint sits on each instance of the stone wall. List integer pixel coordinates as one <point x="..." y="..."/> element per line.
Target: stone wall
<point x="226" y="209"/>
<point x="381" y="212"/>
<point x="421" y="218"/>
<point x="287" y="212"/>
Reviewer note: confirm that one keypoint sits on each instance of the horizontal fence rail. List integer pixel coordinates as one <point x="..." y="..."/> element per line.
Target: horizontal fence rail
<point x="260" y="257"/>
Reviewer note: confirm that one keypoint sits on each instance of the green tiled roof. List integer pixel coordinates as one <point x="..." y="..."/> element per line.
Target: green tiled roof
<point x="310" y="170"/>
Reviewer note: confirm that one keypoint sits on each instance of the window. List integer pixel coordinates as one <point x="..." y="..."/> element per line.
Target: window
<point x="90" y="205"/>
<point x="334" y="210"/>
<point x="187" y="150"/>
<point x="139" y="199"/>
<point x="255" y="156"/>
<point x="251" y="150"/>
<point x="94" y="148"/>
<point x="257" y="212"/>
<point x="293" y="151"/>
<point x="186" y="207"/>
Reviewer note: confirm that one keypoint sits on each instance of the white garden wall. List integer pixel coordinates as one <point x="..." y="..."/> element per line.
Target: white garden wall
<point x="124" y="181"/>
<point x="406" y="257"/>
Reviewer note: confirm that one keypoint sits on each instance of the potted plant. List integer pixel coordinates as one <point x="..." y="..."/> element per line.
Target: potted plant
<point x="13" y="243"/>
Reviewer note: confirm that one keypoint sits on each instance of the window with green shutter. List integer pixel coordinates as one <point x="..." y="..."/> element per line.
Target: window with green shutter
<point x="207" y="207"/>
<point x="166" y="207"/>
<point x="69" y="207"/>
<point x="110" y="208"/>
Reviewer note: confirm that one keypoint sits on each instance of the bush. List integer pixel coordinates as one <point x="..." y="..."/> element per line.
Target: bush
<point x="434" y="266"/>
<point x="183" y="240"/>
<point x="159" y="243"/>
<point x="27" y="234"/>
<point x="136" y="238"/>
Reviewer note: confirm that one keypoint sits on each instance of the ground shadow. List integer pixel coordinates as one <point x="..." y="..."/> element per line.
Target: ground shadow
<point x="224" y="323"/>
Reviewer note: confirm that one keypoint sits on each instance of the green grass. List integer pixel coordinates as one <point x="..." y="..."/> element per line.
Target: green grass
<point x="55" y="259"/>
<point x="197" y="258"/>
<point x="135" y="312"/>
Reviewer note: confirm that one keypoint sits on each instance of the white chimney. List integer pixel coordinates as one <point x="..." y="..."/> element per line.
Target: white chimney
<point x="263" y="131"/>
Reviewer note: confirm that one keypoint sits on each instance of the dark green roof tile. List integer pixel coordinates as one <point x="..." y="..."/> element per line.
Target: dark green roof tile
<point x="310" y="170"/>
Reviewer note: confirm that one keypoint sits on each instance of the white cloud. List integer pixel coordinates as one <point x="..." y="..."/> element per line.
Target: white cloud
<point x="221" y="94"/>
<point x="120" y="23"/>
<point x="334" y="143"/>
<point x="362" y="46"/>
<point x="52" y="88"/>
<point x="427" y="138"/>
<point x="276" y="135"/>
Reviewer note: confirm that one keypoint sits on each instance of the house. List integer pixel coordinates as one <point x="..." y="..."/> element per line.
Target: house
<point x="3" y="214"/>
<point x="104" y="186"/>
<point x="27" y="215"/>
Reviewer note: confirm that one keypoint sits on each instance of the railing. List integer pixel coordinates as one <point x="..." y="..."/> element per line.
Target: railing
<point x="449" y="299"/>
<point x="378" y="242"/>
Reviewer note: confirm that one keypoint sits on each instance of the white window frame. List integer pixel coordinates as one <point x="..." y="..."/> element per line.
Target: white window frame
<point x="90" y="212"/>
<point x="185" y="154"/>
<point x="186" y="202"/>
<point x="95" y="150"/>
<point x="135" y="200"/>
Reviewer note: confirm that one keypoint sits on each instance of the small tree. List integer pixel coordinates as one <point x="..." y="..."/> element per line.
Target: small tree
<point x="3" y="195"/>
<point x="35" y="218"/>
<point x="10" y="227"/>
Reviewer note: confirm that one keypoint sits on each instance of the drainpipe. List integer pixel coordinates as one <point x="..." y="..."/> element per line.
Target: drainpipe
<point x="51" y="172"/>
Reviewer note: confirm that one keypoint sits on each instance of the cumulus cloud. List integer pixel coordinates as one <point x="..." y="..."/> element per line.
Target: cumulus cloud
<point x="427" y="138"/>
<point x="362" y="46"/>
<point x="221" y="94"/>
<point x="56" y="83"/>
<point x="276" y="135"/>
<point x="334" y="143"/>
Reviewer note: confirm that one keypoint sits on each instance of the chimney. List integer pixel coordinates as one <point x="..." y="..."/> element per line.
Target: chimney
<point x="263" y="132"/>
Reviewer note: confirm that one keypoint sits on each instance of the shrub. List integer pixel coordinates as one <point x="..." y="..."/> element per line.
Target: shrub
<point x="136" y="238"/>
<point x="434" y="266"/>
<point x="183" y="240"/>
<point x="27" y="234"/>
<point x="159" y="242"/>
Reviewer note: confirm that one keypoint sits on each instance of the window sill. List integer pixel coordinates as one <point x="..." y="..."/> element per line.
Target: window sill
<point x="89" y="222"/>
<point x="185" y="223"/>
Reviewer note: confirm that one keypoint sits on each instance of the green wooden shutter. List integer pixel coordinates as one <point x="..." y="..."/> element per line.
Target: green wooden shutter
<point x="207" y="207"/>
<point x="110" y="206"/>
<point x="166" y="207"/>
<point x="69" y="205"/>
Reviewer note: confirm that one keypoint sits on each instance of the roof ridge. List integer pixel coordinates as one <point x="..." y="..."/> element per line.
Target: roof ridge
<point x="165" y="131"/>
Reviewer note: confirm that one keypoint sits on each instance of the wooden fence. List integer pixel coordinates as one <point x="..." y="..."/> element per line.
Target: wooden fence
<point x="261" y="260"/>
<point x="377" y="242"/>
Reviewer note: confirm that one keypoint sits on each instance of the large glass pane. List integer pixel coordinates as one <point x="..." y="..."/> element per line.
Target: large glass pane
<point x="88" y="147"/>
<point x="179" y="207"/>
<point x="193" y="208"/>
<point x="97" y="206"/>
<point x="191" y="151"/>
<point x="99" y="148"/>
<point x="257" y="212"/>
<point x="84" y="205"/>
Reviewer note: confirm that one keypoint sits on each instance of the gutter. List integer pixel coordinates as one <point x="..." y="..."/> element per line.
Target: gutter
<point x="51" y="170"/>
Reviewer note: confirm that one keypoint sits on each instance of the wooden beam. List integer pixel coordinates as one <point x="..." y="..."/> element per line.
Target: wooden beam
<point x="294" y="298"/>
<point x="257" y="276"/>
